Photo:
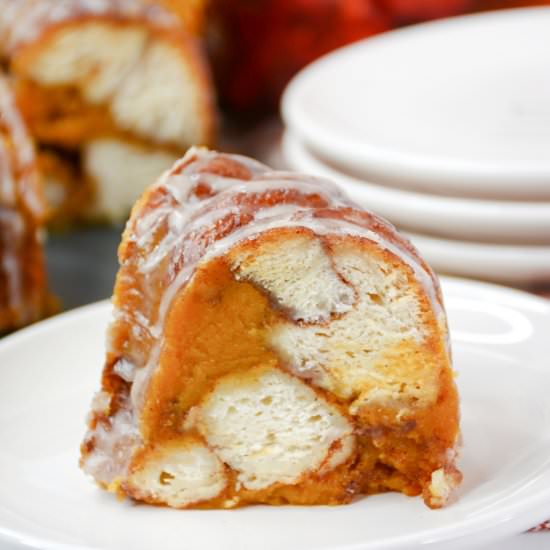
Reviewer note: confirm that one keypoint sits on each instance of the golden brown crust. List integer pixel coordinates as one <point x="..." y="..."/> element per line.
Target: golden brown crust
<point x="192" y="13"/>
<point x="18" y="162"/>
<point x="23" y="289"/>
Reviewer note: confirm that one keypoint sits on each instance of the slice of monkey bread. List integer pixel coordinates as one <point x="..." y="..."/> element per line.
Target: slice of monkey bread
<point x="272" y="343"/>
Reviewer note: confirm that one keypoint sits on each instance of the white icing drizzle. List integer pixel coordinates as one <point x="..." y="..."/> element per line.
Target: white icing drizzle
<point x="125" y="369"/>
<point x="19" y="202"/>
<point x="186" y="215"/>
<point x="22" y="151"/>
<point x="191" y="216"/>
<point x="9" y="261"/>
<point x="113" y="445"/>
<point x="323" y="226"/>
<point x="7" y="184"/>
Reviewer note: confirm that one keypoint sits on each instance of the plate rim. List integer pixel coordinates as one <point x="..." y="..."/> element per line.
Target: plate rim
<point x="488" y="216"/>
<point x="481" y="246"/>
<point x="532" y="263"/>
<point x="409" y="168"/>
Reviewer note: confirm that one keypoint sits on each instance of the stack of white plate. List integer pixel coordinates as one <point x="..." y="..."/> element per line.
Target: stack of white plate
<point x="444" y="129"/>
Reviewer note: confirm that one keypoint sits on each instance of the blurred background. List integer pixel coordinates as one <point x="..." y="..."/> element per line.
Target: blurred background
<point x="257" y="46"/>
<point x="253" y="48"/>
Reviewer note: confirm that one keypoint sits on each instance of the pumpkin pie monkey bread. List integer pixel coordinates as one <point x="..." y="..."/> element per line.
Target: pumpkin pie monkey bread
<point x="273" y="343"/>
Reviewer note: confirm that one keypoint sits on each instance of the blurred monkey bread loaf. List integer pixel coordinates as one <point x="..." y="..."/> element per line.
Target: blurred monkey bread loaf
<point x="271" y="343"/>
<point x="23" y="291"/>
<point x="113" y="92"/>
<point x="257" y="46"/>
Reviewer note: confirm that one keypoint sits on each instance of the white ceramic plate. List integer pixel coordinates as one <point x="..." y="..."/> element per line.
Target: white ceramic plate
<point x="519" y="265"/>
<point x="49" y="372"/>
<point x="459" y="106"/>
<point x="528" y="541"/>
<point x="489" y="220"/>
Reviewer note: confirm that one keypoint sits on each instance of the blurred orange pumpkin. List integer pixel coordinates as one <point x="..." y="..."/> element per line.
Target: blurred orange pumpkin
<point x="408" y="11"/>
<point x="258" y="45"/>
